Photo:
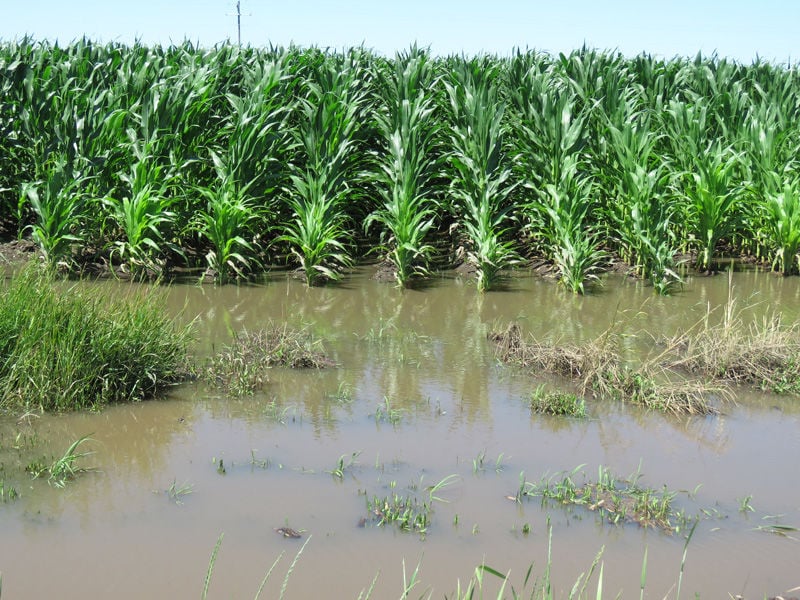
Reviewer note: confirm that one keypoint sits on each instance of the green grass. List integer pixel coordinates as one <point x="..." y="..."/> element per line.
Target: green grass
<point x="240" y="368"/>
<point x="64" y="469"/>
<point x="557" y="403"/>
<point x="589" y="584"/>
<point x="616" y="500"/>
<point x="79" y="347"/>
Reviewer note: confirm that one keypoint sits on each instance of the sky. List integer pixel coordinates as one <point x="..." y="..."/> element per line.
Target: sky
<point x="737" y="29"/>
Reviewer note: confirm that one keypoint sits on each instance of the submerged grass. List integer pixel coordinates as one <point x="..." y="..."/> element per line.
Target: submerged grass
<point x="240" y="368"/>
<point x="63" y="469"/>
<point x="78" y="348"/>
<point x="408" y="512"/>
<point x="713" y="353"/>
<point x="617" y="500"/>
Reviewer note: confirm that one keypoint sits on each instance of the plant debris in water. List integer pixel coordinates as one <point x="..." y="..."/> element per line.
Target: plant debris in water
<point x="599" y="369"/>
<point x="617" y="500"/>
<point x="240" y="368"/>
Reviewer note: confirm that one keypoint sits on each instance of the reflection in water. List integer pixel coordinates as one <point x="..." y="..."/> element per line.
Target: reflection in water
<point x="115" y="532"/>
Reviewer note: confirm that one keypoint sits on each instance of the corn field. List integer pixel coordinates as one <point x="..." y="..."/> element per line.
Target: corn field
<point x="229" y="161"/>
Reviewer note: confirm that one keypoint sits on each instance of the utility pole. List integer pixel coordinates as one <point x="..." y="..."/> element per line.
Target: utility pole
<point x="238" y="15"/>
<point x="239" y="21"/>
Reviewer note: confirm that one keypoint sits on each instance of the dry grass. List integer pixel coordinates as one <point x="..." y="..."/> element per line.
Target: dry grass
<point x="765" y="353"/>
<point x="599" y="369"/>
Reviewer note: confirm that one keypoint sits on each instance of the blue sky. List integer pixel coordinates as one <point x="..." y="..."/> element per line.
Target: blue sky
<point x="734" y="28"/>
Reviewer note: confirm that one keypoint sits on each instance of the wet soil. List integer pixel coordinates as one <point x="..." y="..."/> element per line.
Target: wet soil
<point x="16" y="253"/>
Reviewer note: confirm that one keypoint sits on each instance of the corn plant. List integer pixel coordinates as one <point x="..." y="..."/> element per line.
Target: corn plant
<point x="406" y="165"/>
<point x="253" y="142"/>
<point x="563" y="218"/>
<point x="143" y="216"/>
<point x="59" y="208"/>
<point x="782" y="219"/>
<point x="224" y="223"/>
<point x="329" y="121"/>
<point x="713" y="191"/>
<point x="642" y="208"/>
<point x="549" y="141"/>
<point x="480" y="180"/>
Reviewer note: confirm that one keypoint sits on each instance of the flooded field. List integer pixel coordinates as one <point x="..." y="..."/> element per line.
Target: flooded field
<point x="417" y="398"/>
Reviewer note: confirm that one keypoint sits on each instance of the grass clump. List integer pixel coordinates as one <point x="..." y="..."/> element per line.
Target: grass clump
<point x="599" y="369"/>
<point x="617" y="500"/>
<point x="8" y="493"/>
<point x="557" y="403"/>
<point x="407" y="512"/>
<point x="765" y="353"/>
<point x="63" y="469"/>
<point x="78" y="348"/>
<point x="240" y="368"/>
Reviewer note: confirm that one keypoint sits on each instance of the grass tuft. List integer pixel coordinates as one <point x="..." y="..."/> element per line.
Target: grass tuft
<point x="557" y="403"/>
<point x="765" y="353"/>
<point x="78" y="348"/>
<point x="597" y="366"/>
<point x="617" y="500"/>
<point x="240" y="368"/>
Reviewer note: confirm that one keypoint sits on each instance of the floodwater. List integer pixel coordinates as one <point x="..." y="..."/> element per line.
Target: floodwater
<point x="417" y="397"/>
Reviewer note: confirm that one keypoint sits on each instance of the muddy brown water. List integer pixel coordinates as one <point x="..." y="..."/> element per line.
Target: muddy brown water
<point x="417" y="396"/>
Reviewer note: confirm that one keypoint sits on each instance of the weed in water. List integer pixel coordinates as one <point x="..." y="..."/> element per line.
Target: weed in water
<point x="557" y="403"/>
<point x="67" y="349"/>
<point x="617" y="501"/>
<point x="343" y="394"/>
<point x="343" y="464"/>
<point x="598" y="368"/>
<point x="8" y="493"/>
<point x="409" y="512"/>
<point x="386" y="413"/>
<point x="64" y="469"/>
<point x="443" y="484"/>
<point x="777" y="528"/>
<point x="477" y="462"/>
<point x="240" y="368"/>
<point x="176" y="492"/>
<point x="275" y="412"/>
<point x="765" y="354"/>
<point x="36" y="468"/>
<point x="745" y="506"/>
<point x="261" y="463"/>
